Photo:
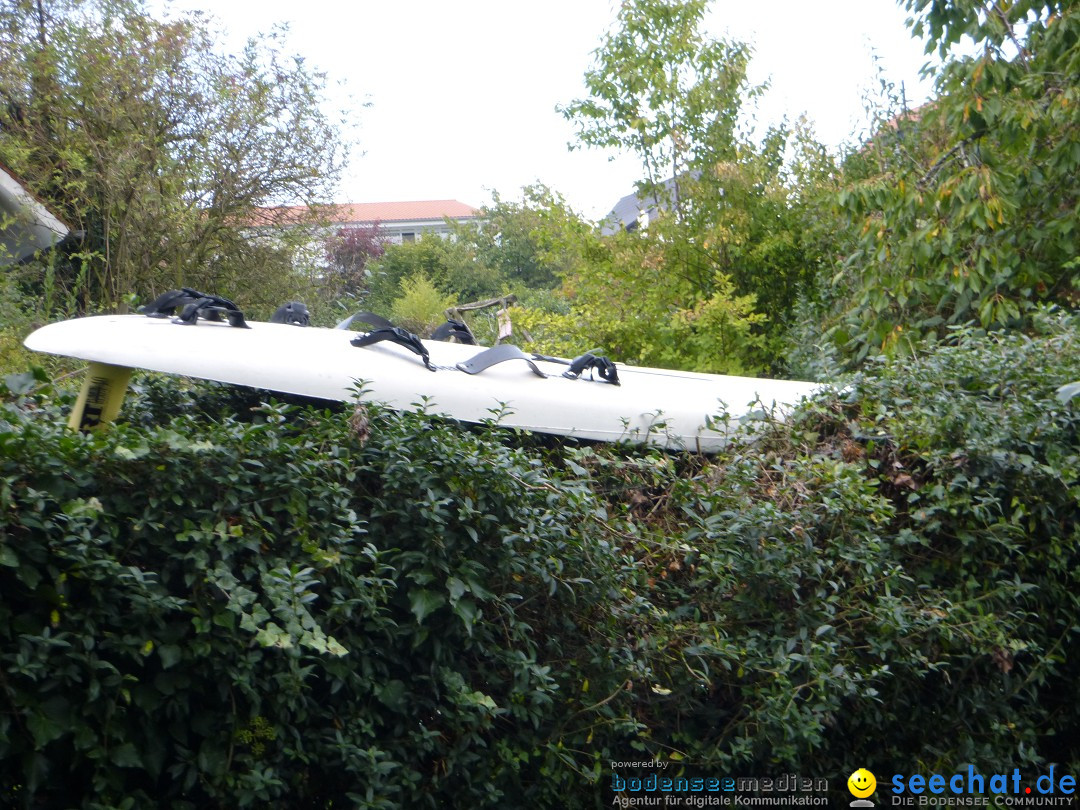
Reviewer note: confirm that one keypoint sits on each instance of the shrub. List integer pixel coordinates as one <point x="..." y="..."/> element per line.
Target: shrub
<point x="227" y="614"/>
<point x="898" y="559"/>
<point x="421" y="306"/>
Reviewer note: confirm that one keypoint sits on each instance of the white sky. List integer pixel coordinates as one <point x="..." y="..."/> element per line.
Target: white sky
<point x="463" y="93"/>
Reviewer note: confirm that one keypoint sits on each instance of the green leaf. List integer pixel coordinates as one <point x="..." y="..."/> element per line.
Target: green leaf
<point x="44" y="729"/>
<point x="125" y="756"/>
<point x="335" y="647"/>
<point x="170" y="655"/>
<point x="456" y="589"/>
<point x="273" y="636"/>
<point x="481" y="700"/>
<point x="577" y="469"/>
<point x="392" y="694"/>
<point x="22" y="383"/>
<point x="468" y="612"/>
<point x="131" y="453"/>
<point x="424" y="602"/>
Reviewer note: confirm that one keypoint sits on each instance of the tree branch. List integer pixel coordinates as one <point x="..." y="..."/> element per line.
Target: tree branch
<point x="923" y="182"/>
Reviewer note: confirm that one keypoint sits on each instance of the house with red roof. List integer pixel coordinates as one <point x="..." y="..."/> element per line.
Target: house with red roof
<point x="404" y="221"/>
<point x="398" y="221"/>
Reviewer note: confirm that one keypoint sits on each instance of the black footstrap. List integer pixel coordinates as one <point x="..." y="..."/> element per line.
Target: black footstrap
<point x="293" y="313"/>
<point x="589" y="361"/>
<point x="166" y="304"/>
<point x="457" y="330"/>
<point x="209" y="310"/>
<point x="395" y="334"/>
<point x="497" y="354"/>
<point x="194" y="305"/>
<point x="370" y="318"/>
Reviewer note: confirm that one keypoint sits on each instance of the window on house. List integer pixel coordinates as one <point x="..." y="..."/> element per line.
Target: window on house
<point x="408" y="236"/>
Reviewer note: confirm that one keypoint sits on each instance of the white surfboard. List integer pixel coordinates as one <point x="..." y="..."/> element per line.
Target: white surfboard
<point x="672" y="409"/>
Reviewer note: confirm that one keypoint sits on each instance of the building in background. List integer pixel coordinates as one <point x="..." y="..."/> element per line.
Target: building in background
<point x="635" y="210"/>
<point x="397" y="221"/>
<point x="405" y="221"/>
<point x="385" y="222"/>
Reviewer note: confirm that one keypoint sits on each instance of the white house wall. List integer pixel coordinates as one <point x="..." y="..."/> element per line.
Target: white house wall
<point x="395" y="232"/>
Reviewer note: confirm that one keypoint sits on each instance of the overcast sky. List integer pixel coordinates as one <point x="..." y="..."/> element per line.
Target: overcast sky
<point x="463" y="93"/>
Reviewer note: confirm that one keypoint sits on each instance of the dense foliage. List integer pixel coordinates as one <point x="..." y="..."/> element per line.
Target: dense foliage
<point x="534" y="243"/>
<point x="967" y="207"/>
<point x="450" y="265"/>
<point x="960" y="212"/>
<point x="348" y="253"/>
<point x="522" y="248"/>
<point x="710" y="280"/>
<point x="379" y="610"/>
<point x="208" y="614"/>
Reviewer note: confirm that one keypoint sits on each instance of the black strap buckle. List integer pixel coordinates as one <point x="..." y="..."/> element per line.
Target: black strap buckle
<point x="590" y="361"/>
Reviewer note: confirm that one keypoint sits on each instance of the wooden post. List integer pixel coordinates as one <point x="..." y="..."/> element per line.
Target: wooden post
<point x="502" y="316"/>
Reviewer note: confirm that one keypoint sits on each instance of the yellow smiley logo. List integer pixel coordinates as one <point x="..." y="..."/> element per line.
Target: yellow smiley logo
<point x="861" y="783"/>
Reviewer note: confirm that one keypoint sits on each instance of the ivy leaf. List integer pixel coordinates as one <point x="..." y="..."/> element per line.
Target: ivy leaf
<point x="468" y="612"/>
<point x="19" y="384"/>
<point x="392" y="695"/>
<point x="170" y="655"/>
<point x="44" y="729"/>
<point x="424" y="602"/>
<point x="456" y="588"/>
<point x="126" y="756"/>
<point x="273" y="636"/>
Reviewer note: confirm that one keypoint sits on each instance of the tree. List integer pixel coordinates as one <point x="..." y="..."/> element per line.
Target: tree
<point x="449" y="265"/>
<point x="968" y="206"/>
<point x="159" y="148"/>
<point x="663" y="90"/>
<point x="728" y="241"/>
<point x="348" y="253"/>
<point x="534" y="242"/>
<point x="421" y="306"/>
<point x="625" y="301"/>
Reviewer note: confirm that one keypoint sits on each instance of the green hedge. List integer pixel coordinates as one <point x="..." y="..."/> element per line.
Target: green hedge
<point x="205" y="615"/>
<point x="298" y="608"/>
<point x="891" y="580"/>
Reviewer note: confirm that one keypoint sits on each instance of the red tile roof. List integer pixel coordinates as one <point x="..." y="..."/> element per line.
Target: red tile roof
<point x="405" y="211"/>
<point x="409" y="211"/>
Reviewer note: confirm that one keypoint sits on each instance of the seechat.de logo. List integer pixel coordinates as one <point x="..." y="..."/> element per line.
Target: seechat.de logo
<point x="861" y="784"/>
